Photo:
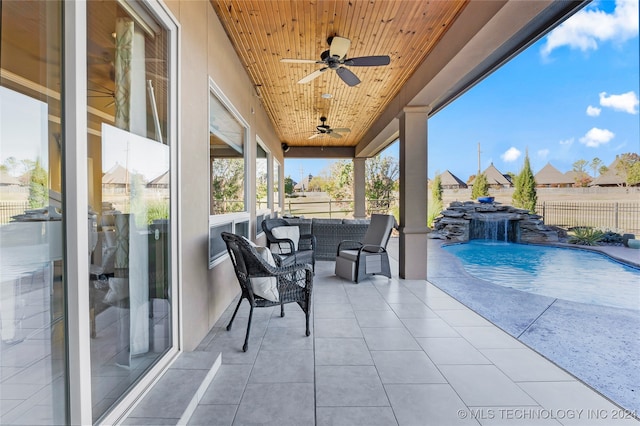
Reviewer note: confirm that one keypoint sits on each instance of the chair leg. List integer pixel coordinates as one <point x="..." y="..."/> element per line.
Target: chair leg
<point x="281" y="309"/>
<point x="246" y="339"/>
<point x="234" y="314"/>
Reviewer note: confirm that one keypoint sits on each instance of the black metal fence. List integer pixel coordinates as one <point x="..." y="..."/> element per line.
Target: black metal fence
<point x="623" y="217"/>
<point x="11" y="208"/>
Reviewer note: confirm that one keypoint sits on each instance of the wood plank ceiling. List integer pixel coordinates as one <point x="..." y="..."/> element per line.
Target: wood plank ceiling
<point x="263" y="32"/>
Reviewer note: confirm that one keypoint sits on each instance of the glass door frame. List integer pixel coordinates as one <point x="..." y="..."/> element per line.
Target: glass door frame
<point x="75" y="182"/>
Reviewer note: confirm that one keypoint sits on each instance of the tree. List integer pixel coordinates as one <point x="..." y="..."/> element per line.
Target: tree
<point x="480" y="187"/>
<point x="381" y="180"/>
<point x="595" y="165"/>
<point x="524" y="194"/>
<point x="436" y="188"/>
<point x="581" y="178"/>
<point x="628" y="168"/>
<point x="340" y="185"/>
<point x="288" y="185"/>
<point x="227" y="185"/>
<point x="38" y="186"/>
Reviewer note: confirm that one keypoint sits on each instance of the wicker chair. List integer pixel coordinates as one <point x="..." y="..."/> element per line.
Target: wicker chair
<point x="357" y="259"/>
<point x="286" y="251"/>
<point x="294" y="282"/>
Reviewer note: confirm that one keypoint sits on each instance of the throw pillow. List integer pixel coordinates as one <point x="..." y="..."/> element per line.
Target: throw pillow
<point x="265" y="287"/>
<point x="285" y="232"/>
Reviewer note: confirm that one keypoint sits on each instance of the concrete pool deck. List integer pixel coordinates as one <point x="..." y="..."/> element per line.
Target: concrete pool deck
<point x="597" y="344"/>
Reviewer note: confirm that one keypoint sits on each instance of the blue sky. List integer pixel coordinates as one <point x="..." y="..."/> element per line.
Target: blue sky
<point x="571" y="96"/>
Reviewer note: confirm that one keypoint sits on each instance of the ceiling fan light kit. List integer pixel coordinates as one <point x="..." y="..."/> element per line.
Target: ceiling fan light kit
<point x="336" y="58"/>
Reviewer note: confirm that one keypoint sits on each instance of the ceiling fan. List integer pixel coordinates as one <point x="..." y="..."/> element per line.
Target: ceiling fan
<point x="325" y="129"/>
<point x="336" y="57"/>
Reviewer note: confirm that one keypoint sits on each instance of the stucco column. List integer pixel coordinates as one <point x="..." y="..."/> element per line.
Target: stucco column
<point x="359" y="193"/>
<point x="413" y="192"/>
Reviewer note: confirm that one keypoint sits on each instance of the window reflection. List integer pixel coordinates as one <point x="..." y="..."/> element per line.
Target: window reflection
<point x="33" y="375"/>
<point x="262" y="177"/>
<point x="129" y="193"/>
<point x="226" y="159"/>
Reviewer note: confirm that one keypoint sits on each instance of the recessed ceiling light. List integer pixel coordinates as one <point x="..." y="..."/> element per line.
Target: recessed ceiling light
<point x="326" y="95"/>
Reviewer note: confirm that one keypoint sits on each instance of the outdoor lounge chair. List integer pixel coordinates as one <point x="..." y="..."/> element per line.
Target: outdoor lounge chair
<point x="289" y="284"/>
<point x="286" y="243"/>
<point x="357" y="259"/>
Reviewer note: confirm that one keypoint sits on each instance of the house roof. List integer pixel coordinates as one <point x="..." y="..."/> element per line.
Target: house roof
<point x="549" y="175"/>
<point x="449" y="179"/>
<point x="610" y="177"/>
<point x="494" y="177"/>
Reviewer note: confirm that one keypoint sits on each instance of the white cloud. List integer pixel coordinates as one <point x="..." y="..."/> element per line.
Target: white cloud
<point x="543" y="153"/>
<point x="593" y="111"/>
<point x="626" y="102"/>
<point x="596" y="137"/>
<point x="587" y="28"/>
<point x="567" y="142"/>
<point x="512" y="154"/>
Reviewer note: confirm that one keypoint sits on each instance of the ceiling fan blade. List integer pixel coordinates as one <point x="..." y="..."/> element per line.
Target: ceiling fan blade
<point x="300" y="61"/>
<point x="342" y="130"/>
<point x="347" y="76"/>
<point x="368" y="61"/>
<point x="335" y="135"/>
<point x="339" y="47"/>
<point x="312" y="76"/>
<point x="315" y="135"/>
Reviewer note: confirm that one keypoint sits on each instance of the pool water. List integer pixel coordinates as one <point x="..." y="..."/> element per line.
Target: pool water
<point x="562" y="273"/>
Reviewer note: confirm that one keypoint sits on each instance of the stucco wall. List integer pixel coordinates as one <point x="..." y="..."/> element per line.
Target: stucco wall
<point x="205" y="52"/>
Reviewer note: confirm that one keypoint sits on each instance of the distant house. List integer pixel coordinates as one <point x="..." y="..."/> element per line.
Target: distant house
<point x="303" y="185"/>
<point x="7" y="180"/>
<point x="550" y="177"/>
<point x="450" y="181"/>
<point x="161" y="182"/>
<point x="117" y="179"/>
<point x="495" y="178"/>
<point x="610" y="177"/>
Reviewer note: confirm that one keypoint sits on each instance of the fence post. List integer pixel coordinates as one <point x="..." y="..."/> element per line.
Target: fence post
<point x="615" y="214"/>
<point x="330" y="208"/>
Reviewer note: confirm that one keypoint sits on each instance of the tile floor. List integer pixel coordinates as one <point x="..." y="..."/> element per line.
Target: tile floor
<point x="386" y="352"/>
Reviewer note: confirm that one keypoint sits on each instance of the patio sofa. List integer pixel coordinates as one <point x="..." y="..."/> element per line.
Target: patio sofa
<point x="330" y="232"/>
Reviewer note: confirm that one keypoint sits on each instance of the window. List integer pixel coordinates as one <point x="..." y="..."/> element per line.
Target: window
<point x="262" y="177"/>
<point x="227" y="135"/>
<point x="276" y="186"/>
<point x="129" y="170"/>
<point x="33" y="282"/>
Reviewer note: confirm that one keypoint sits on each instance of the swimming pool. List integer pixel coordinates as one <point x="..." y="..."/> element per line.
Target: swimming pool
<point x="563" y="273"/>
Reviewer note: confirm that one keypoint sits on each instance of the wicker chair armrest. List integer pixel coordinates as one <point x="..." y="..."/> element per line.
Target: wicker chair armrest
<point x="307" y="242"/>
<point x="299" y="274"/>
<point x="283" y="244"/>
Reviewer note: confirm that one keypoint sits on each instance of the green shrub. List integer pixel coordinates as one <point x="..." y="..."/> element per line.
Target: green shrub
<point x="586" y="236"/>
<point x="434" y="208"/>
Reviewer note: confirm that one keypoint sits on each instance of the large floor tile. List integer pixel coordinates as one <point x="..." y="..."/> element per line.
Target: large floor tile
<point x="412" y="310"/>
<point x="355" y="416"/>
<point x="341" y="351"/>
<point x="227" y="385"/>
<point x="213" y="415"/>
<point x="427" y="404"/>
<point x="284" y="366"/>
<point x="587" y="407"/>
<point x="525" y="365"/>
<point x="480" y="385"/>
<point x="340" y="327"/>
<point x="406" y="367"/>
<point x="489" y="337"/>
<point x="277" y="404"/>
<point x="451" y="350"/>
<point x="389" y="339"/>
<point x="349" y="386"/>
<point x="429" y="327"/>
<point x="378" y="319"/>
<point x="333" y="310"/>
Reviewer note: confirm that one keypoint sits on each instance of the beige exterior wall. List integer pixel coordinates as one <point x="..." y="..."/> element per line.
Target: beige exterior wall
<point x="205" y="52"/>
